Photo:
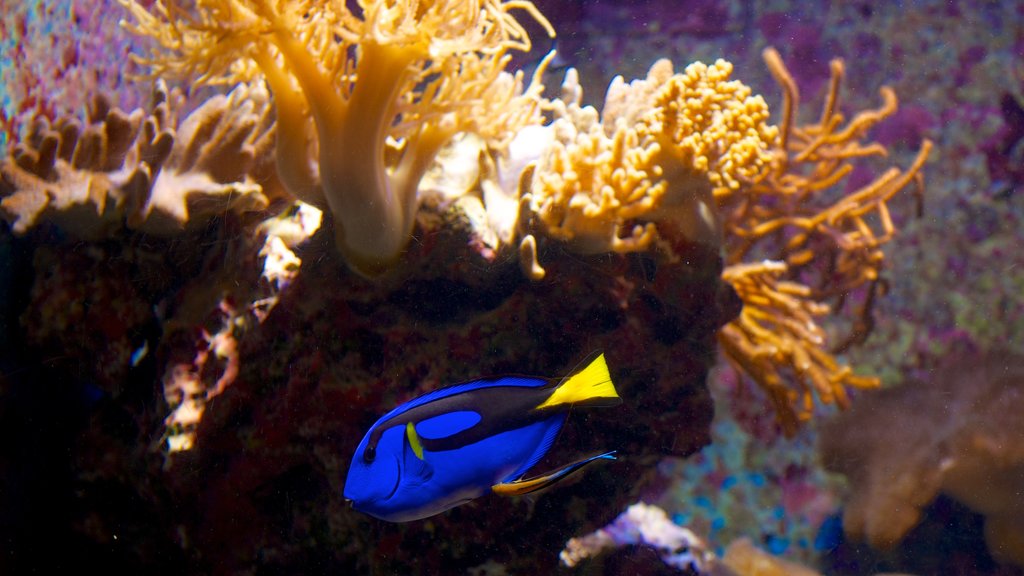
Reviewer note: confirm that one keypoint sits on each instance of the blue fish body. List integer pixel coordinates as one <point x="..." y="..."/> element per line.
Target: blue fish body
<point x="456" y="444"/>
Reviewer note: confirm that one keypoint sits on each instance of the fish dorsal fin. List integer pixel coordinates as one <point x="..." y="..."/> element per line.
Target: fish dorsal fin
<point x="591" y="385"/>
<point x="520" y="487"/>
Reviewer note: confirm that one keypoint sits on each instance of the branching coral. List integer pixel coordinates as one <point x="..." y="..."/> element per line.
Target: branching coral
<point x="146" y="170"/>
<point x="692" y="156"/>
<point x="651" y="161"/>
<point x="822" y="244"/>
<point x="777" y="329"/>
<point x="373" y="93"/>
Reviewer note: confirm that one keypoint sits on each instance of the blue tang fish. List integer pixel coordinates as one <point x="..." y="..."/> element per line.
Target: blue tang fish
<point x="458" y="443"/>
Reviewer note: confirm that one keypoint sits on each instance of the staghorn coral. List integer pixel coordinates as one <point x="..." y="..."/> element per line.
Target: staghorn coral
<point x="958" y="432"/>
<point x="650" y="162"/>
<point x="822" y="247"/>
<point x="373" y="93"/>
<point x="148" y="171"/>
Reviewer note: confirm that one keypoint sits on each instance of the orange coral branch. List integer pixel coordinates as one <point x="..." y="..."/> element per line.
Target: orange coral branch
<point x="823" y="246"/>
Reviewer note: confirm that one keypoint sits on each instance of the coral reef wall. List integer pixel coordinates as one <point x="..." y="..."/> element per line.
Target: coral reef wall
<point x="183" y="377"/>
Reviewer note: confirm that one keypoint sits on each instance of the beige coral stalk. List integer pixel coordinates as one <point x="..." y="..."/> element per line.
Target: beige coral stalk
<point x="144" y="170"/>
<point x="385" y="86"/>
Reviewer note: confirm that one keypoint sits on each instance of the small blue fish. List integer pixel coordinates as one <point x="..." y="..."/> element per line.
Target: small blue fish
<point x="455" y="444"/>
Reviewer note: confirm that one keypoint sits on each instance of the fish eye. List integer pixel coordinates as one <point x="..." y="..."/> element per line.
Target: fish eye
<point x="369" y="454"/>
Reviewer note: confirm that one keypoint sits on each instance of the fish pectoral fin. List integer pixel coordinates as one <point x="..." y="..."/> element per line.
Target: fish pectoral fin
<point x="414" y="440"/>
<point x="520" y="487"/>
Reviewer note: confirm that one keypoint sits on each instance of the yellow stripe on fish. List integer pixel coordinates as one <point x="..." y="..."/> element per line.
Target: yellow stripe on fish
<point x="414" y="440"/>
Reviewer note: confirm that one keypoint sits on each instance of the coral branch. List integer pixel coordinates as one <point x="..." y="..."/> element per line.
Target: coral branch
<point x="825" y="245"/>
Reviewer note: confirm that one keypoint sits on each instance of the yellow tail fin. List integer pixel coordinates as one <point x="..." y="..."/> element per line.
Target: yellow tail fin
<point x="592" y="385"/>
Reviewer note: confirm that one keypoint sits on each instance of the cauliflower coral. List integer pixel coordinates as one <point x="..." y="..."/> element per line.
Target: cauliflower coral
<point x="659" y="150"/>
<point x="372" y="89"/>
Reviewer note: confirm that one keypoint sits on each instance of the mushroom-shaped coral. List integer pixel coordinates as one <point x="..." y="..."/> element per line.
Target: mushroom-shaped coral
<point x="146" y="170"/>
<point x="373" y="92"/>
<point x="649" y="164"/>
<point x="959" y="433"/>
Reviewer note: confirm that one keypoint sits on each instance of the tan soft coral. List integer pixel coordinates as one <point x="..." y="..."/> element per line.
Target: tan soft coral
<point x="588" y="184"/>
<point x="959" y="432"/>
<point x="650" y="162"/>
<point x="372" y="93"/>
<point x="822" y="244"/>
<point x="146" y="170"/>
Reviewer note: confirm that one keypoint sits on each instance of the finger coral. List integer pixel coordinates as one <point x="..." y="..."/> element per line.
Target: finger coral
<point x="958" y="432"/>
<point x="148" y="171"/>
<point x="651" y="161"/>
<point x="822" y="244"/>
<point x="373" y="91"/>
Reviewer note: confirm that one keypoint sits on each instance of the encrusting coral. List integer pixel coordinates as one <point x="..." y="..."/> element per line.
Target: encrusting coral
<point x="146" y="170"/>
<point x="373" y="93"/>
<point x="958" y="432"/>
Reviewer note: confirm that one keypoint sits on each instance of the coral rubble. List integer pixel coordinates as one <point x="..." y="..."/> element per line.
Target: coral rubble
<point x="678" y="547"/>
<point x="646" y="525"/>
